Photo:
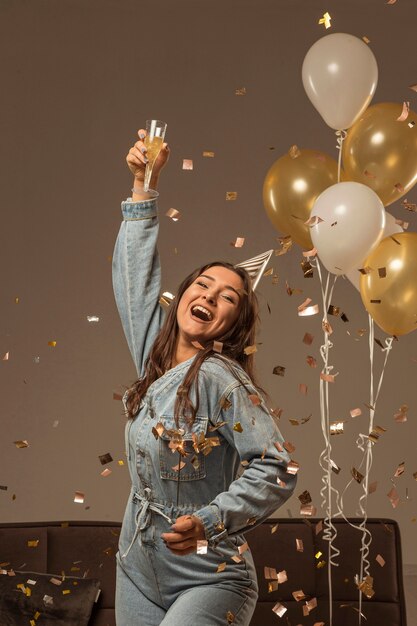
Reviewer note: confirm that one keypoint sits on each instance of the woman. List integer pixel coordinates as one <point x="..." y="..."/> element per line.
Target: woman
<point x="195" y="417"/>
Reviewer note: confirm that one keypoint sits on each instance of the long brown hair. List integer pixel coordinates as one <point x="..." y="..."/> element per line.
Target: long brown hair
<point x="235" y="340"/>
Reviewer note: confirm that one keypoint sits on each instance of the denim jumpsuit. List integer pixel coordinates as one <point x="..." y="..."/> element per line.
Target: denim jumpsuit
<point x="233" y="431"/>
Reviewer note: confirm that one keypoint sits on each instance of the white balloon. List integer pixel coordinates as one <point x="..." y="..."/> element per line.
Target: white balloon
<point x="350" y="223"/>
<point x="390" y="229"/>
<point x="340" y="75"/>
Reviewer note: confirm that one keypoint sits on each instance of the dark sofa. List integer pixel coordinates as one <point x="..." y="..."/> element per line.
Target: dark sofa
<point x="87" y="549"/>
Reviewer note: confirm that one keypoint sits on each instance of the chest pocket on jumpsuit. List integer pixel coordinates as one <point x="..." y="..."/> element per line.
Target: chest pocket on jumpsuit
<point x="169" y="458"/>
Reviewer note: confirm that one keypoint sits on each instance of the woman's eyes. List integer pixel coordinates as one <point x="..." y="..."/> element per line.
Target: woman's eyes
<point x="225" y="296"/>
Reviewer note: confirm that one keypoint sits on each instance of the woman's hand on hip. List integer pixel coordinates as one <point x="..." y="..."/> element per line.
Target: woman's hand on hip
<point x="187" y="530"/>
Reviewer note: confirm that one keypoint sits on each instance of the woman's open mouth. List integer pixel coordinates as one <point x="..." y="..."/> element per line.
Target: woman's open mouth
<point x="201" y="313"/>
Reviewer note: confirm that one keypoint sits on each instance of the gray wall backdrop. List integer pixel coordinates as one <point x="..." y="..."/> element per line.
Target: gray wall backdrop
<point x="78" y="79"/>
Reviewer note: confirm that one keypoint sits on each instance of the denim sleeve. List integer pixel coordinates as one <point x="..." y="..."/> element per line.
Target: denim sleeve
<point x="264" y="485"/>
<point x="137" y="277"/>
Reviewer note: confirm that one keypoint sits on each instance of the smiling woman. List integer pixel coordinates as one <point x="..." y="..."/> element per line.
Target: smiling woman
<point x="196" y="415"/>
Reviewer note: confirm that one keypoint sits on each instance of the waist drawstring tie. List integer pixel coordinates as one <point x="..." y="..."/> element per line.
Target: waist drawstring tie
<point x="143" y="516"/>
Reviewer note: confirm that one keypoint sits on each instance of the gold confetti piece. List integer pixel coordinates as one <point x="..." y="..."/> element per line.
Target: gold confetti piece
<point x="308" y="310"/>
<point x="282" y="577"/>
<point x="250" y="350"/>
<point x="33" y="543"/>
<point x="308" y="510"/>
<point x="270" y="573"/>
<point x="313" y="221"/>
<point x="221" y="568"/>
<point x="293" y="467"/>
<point x="274" y="528"/>
<point x="372" y="487"/>
<point x="255" y="399"/>
<point x="299" y="595"/>
<point x="230" y="617"/>
<point x="16" y="300"/>
<point x="380" y="560"/>
<point x="231" y="195"/>
<point x="269" y="272"/>
<point x="299" y="545"/>
<point x="311" y="604"/>
<point x="302" y="388"/>
<point x="209" y="154"/>
<point x="355" y="412"/>
<point x="251" y="521"/>
<point x="238" y="243"/>
<point x="401" y="416"/>
<point x="202" y="546"/>
<point x="308" y="339"/>
<point x="366" y="40"/>
<point x="410" y="206"/>
<point x="238" y="427"/>
<point x="6" y="356"/>
<point x="21" y="444"/>
<point x="279" y="370"/>
<point x="52" y="344"/>
<point x="328" y="378"/>
<point x="279" y="609"/>
<point x="240" y="91"/>
<point x="105" y="472"/>
<point x="307" y="269"/>
<point x="357" y="475"/>
<point x="335" y="468"/>
<point x="311" y="361"/>
<point x="105" y="458"/>
<point x="294" y="152"/>
<point x="166" y="298"/>
<point x="400" y="470"/>
<point x="242" y="549"/>
<point x="404" y="112"/>
<point x="272" y="586"/>
<point x="376" y="433"/>
<point x="93" y="318"/>
<point x="289" y="446"/>
<point x="305" y="497"/>
<point x="237" y="559"/>
<point x="55" y="581"/>
<point x="290" y="291"/>
<point x="400" y="188"/>
<point x="65" y="592"/>
<point x="174" y="214"/>
<point x="217" y="347"/>
<point x="336" y="428"/>
<point x="187" y="164"/>
<point x="286" y="245"/>
<point x="382" y="272"/>
<point x="394" y="497"/>
<point x="333" y="310"/>
<point x="79" y="497"/>
<point x="318" y="554"/>
<point x="366" y="586"/>
<point x="326" y="20"/>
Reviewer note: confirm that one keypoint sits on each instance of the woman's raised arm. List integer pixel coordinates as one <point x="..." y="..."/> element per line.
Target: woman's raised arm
<point x="136" y="266"/>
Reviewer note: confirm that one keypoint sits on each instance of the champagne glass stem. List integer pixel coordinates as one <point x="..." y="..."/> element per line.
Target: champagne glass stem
<point x="148" y="174"/>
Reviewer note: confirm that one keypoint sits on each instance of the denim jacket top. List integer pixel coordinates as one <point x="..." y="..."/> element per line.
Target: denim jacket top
<point x="233" y="425"/>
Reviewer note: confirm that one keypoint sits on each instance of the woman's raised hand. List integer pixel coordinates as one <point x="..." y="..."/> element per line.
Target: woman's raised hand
<point x="136" y="160"/>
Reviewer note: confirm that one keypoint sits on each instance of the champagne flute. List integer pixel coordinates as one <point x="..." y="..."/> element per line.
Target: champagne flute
<point x="154" y="140"/>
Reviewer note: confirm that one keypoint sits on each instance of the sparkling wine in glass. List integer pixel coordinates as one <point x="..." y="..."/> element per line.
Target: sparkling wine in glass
<point x="154" y="140"/>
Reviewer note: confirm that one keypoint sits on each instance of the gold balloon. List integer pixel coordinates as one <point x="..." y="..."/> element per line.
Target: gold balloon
<point x="291" y="187"/>
<point x="381" y="152"/>
<point x="389" y="290"/>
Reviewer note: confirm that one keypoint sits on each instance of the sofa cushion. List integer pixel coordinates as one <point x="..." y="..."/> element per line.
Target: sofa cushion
<point x="26" y="597"/>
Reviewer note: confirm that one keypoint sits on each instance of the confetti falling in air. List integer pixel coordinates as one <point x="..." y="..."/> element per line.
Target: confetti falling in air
<point x="404" y="112"/>
<point x="231" y="195"/>
<point x="105" y="458"/>
<point x="250" y="350"/>
<point x="325" y="20"/>
<point x="21" y="444"/>
<point x="366" y="40"/>
<point x="166" y="298"/>
<point x="208" y="154"/>
<point x="93" y="318"/>
<point x="79" y="497"/>
<point x="279" y="370"/>
<point x="217" y="347"/>
<point x="401" y="416"/>
<point x="279" y="609"/>
<point x="105" y="472"/>
<point x="240" y="91"/>
<point x="355" y="412"/>
<point x="238" y="243"/>
<point x="187" y="164"/>
<point x="286" y="245"/>
<point x="380" y="560"/>
<point x="221" y="567"/>
<point x="305" y="310"/>
<point x="52" y="344"/>
<point x="6" y="356"/>
<point x="311" y="361"/>
<point x="400" y="470"/>
<point x="33" y="543"/>
<point x="174" y="214"/>
<point x="308" y="339"/>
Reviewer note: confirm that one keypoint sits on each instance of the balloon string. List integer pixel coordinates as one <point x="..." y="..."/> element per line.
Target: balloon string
<point x="329" y="532"/>
<point x="366" y="457"/>
<point x="340" y="136"/>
